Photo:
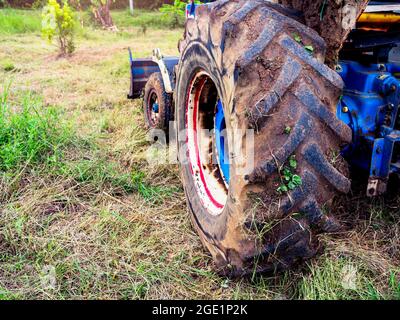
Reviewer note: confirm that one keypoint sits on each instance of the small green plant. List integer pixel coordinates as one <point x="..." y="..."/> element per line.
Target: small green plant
<point x="310" y="49"/>
<point x="289" y="179"/>
<point x="8" y="66"/>
<point x="58" y="22"/>
<point x="176" y="11"/>
<point x="288" y="130"/>
<point x="297" y="38"/>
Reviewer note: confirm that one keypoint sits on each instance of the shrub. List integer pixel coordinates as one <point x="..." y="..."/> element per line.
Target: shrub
<point x="59" y="22"/>
<point x="176" y="11"/>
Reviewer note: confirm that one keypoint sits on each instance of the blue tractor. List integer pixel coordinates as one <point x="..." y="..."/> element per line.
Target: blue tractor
<point x="274" y="104"/>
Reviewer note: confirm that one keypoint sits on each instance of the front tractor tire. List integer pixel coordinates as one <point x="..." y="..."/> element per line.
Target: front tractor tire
<point x="157" y="104"/>
<point x="244" y="66"/>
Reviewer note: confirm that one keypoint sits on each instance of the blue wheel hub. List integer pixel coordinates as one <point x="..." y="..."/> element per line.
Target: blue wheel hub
<point x="155" y="107"/>
<point x="221" y="142"/>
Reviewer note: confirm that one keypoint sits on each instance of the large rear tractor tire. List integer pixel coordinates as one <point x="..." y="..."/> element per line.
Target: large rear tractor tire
<point x="251" y="67"/>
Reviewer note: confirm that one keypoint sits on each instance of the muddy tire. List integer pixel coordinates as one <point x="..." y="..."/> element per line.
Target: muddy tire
<point x="251" y="56"/>
<point x="157" y="104"/>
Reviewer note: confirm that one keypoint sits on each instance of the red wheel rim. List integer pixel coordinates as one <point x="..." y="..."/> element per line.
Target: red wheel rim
<point x="201" y="104"/>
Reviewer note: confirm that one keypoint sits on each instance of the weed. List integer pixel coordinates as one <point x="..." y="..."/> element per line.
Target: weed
<point x="8" y="66"/>
<point x="297" y="38"/>
<point x="289" y="179"/>
<point x="310" y="49"/>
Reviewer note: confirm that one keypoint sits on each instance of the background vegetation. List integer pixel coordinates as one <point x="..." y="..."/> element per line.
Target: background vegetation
<point x="82" y="213"/>
<point x="118" y="4"/>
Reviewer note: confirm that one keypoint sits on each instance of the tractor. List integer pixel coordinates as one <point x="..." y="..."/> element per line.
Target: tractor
<point x="273" y="105"/>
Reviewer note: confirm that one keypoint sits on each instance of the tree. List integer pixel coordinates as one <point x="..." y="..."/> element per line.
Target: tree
<point x="58" y="21"/>
<point x="131" y="6"/>
<point x="101" y="13"/>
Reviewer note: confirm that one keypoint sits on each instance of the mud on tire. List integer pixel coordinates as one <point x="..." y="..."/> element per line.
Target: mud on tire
<point x="267" y="81"/>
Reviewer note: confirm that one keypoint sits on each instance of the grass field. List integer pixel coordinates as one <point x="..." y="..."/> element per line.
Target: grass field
<point x="84" y="216"/>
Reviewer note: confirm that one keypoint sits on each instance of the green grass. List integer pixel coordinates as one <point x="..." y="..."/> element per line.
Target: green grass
<point x="98" y="172"/>
<point x="14" y="21"/>
<point x="29" y="132"/>
<point x="152" y="193"/>
<point x="394" y="285"/>
<point x="31" y="135"/>
<point x="6" y="295"/>
<point x="337" y="279"/>
<point x="143" y="19"/>
<point x="104" y="174"/>
<point x="344" y="279"/>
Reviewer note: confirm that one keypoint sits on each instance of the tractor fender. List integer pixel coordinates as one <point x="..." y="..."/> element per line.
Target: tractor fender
<point x="142" y="69"/>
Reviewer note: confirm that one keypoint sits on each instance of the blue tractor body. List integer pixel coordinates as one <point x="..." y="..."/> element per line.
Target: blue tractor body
<point x="142" y="69"/>
<point x="370" y="107"/>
